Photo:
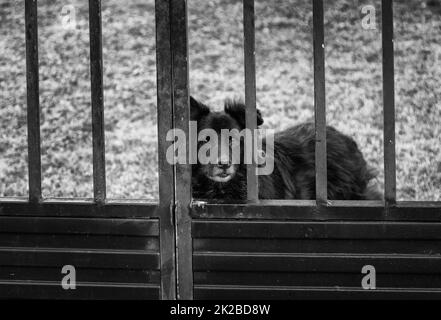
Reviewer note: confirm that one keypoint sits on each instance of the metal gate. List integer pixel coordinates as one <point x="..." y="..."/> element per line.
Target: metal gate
<point x="302" y="249"/>
<point x="185" y="249"/>
<point x="121" y="250"/>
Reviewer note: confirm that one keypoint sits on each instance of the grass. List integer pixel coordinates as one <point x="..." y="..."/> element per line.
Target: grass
<point x="285" y="91"/>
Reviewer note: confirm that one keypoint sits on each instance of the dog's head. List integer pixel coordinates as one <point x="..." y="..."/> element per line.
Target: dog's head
<point x="211" y="127"/>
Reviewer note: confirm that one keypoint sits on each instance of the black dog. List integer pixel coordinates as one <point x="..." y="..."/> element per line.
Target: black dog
<point x="294" y="169"/>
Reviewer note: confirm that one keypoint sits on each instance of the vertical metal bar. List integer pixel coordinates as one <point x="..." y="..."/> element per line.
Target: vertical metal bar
<point x="33" y="101"/>
<point x="389" y="102"/>
<point x="250" y="93"/>
<point x="165" y="123"/>
<point x="320" y="103"/>
<point x="181" y="116"/>
<point x="96" y="72"/>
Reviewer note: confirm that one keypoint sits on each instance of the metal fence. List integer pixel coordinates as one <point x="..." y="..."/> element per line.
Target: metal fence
<point x="177" y="248"/>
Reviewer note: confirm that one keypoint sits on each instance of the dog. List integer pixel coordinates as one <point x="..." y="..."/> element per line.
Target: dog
<point x="293" y="177"/>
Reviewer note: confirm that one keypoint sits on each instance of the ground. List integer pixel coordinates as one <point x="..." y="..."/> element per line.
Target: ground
<point x="284" y="86"/>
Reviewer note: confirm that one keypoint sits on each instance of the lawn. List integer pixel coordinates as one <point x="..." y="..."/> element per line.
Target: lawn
<point x="284" y="86"/>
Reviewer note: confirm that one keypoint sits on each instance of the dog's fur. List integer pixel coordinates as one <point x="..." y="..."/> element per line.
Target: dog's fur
<point x="294" y="169"/>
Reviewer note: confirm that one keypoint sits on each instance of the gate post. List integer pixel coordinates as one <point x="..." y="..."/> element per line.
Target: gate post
<point x="181" y="116"/>
<point x="166" y="176"/>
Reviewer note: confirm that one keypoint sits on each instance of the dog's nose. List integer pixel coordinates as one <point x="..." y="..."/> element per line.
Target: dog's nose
<point x="224" y="164"/>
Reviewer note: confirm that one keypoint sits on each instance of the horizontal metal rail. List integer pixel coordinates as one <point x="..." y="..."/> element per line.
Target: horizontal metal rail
<point x="79" y="208"/>
<point x="308" y="210"/>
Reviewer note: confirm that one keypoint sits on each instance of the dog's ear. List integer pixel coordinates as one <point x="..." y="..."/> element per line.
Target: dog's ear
<point x="237" y="111"/>
<point x="197" y="110"/>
